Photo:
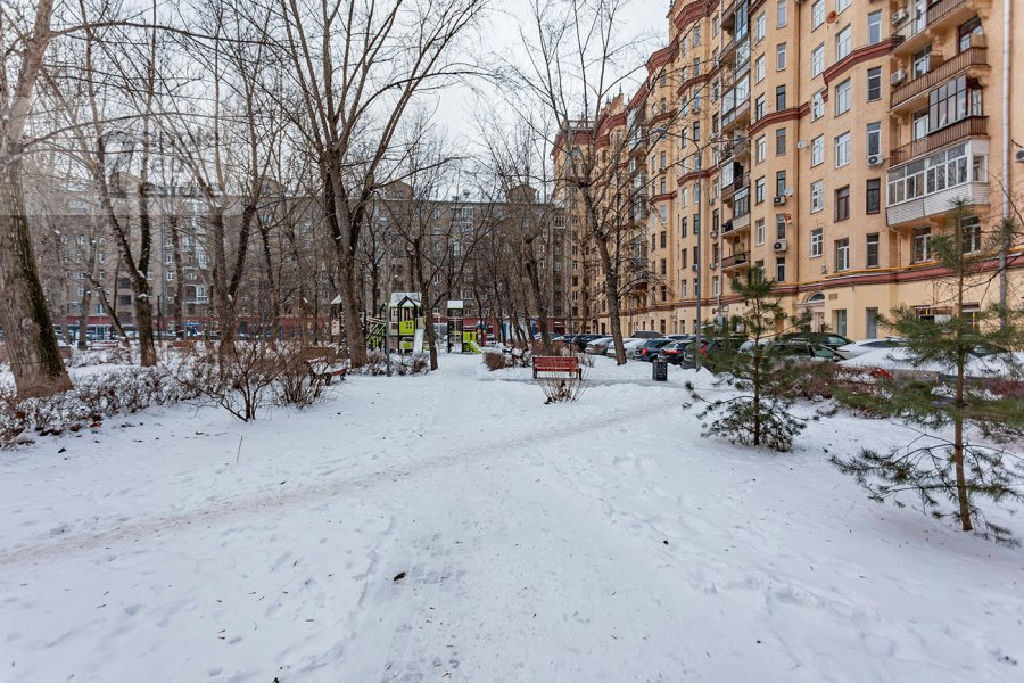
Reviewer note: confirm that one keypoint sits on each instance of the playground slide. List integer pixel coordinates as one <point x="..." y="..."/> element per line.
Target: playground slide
<point x="473" y="347"/>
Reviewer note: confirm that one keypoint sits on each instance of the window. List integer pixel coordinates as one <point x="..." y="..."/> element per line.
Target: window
<point x="759" y="108"/>
<point x="874" y="83"/>
<point x="760" y="26"/>
<point x="818" y="60"/>
<point x="843" y="43"/>
<point x="817" y="196"/>
<point x="780" y="141"/>
<point x="684" y="288"/>
<point x="759" y="69"/>
<point x="952" y="102"/>
<point x="696" y="35"/>
<point x="941" y="170"/>
<point x="780" y="56"/>
<point x="873" y="196"/>
<point x="664" y="238"/>
<point x="696" y="229"/>
<point x="922" y="62"/>
<point x="871" y="323"/>
<point x="817" y="242"/>
<point x="874" y="27"/>
<point x="696" y="131"/>
<point x="843" y="97"/>
<point x="841" y="5"/>
<point x="970" y="234"/>
<point x="759" y="189"/>
<point x="780" y="98"/>
<point x="839" y="320"/>
<point x="780" y="13"/>
<point x="874" y="139"/>
<point x="780" y="183"/>
<point x="843" y="203"/>
<point x="696" y="198"/>
<point x="663" y="185"/>
<point x="169" y="275"/>
<point x="682" y="233"/>
<point x="663" y="266"/>
<point x="842" y="255"/>
<point x="817" y="13"/>
<point x="715" y="287"/>
<point x="780" y="269"/>
<point x="663" y="214"/>
<point x="761" y="149"/>
<point x="920" y="125"/>
<point x="965" y="31"/>
<point x="817" y="105"/>
<point x="922" y="245"/>
<point x="818" y="150"/>
<point x="780" y="226"/>
<point x="871" y="260"/>
<point x="842" y="144"/>
<point x="759" y="231"/>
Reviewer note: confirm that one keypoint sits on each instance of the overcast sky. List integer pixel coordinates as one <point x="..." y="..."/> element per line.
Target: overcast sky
<point x="457" y="109"/>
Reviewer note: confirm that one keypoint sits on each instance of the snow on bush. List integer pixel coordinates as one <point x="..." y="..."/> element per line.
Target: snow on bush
<point x="377" y="364"/>
<point x="93" y="399"/>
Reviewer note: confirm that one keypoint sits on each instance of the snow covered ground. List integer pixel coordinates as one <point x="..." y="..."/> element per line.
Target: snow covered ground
<point x="599" y="541"/>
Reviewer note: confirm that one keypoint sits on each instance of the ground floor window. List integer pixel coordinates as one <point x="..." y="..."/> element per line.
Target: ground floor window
<point x="871" y="323"/>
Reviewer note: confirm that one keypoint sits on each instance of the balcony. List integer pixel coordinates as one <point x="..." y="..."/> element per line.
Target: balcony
<point x="740" y="115"/>
<point x="937" y="203"/>
<point x="974" y="126"/>
<point x="918" y="31"/>
<point x="736" y="260"/>
<point x="907" y="96"/>
<point x="738" y="184"/>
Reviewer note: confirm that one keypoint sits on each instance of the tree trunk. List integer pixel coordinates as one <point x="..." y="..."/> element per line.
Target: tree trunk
<point x="542" y="313"/>
<point x="611" y="289"/>
<point x="31" y="341"/>
<point x="177" y="307"/>
<point x="86" y="300"/>
<point x="958" y="417"/>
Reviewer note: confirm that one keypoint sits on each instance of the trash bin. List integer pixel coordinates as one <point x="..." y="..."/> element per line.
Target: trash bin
<point x="659" y="371"/>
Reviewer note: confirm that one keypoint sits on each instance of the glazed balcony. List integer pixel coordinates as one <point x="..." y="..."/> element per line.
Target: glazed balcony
<point x="730" y="190"/>
<point x="737" y="117"/>
<point x="971" y="127"/>
<point x="915" y="93"/>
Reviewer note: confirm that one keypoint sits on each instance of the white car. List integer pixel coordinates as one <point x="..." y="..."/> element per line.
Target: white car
<point x="631" y="344"/>
<point x="860" y="348"/>
<point x="599" y="346"/>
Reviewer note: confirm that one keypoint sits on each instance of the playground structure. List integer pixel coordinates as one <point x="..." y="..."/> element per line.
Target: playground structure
<point x="460" y="340"/>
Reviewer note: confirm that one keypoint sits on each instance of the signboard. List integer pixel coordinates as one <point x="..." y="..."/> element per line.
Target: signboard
<point x="335" y="327"/>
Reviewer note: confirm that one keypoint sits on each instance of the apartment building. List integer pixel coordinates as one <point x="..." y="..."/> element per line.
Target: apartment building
<point x="823" y="141"/>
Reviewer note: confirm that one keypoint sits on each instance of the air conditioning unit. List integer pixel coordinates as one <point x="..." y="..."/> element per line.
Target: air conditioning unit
<point x="711" y="200"/>
<point x="898" y="77"/>
<point x="1018" y="156"/>
<point x="875" y="160"/>
<point x="713" y="233"/>
<point x="802" y="144"/>
<point x="824" y="270"/>
<point x="694" y="267"/>
<point x="780" y="200"/>
<point x="899" y="16"/>
<point x="779" y="245"/>
<point x="714" y="266"/>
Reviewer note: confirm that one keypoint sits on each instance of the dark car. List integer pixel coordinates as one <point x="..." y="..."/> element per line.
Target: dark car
<point x="829" y="339"/>
<point x="802" y="351"/>
<point x="649" y="349"/>
<point x="709" y="349"/>
<point x="673" y="352"/>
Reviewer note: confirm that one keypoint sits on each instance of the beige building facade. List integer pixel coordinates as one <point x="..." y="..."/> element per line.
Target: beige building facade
<point x="823" y="141"/>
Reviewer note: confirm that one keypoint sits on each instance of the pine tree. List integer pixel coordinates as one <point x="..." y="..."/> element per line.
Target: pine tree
<point x="759" y="415"/>
<point x="971" y="463"/>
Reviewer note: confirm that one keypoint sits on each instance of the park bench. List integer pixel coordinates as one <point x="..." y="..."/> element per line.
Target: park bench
<point x="323" y="364"/>
<point x="557" y="367"/>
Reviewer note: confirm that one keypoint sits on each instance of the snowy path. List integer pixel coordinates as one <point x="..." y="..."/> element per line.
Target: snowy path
<point x="603" y="541"/>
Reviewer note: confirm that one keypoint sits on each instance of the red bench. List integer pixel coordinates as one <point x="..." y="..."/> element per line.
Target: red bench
<point x="557" y="366"/>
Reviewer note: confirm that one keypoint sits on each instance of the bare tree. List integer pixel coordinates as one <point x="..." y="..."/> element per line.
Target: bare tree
<point x="31" y="341"/>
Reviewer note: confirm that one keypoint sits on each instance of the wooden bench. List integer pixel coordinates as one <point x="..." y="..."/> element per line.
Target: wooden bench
<point x="556" y="367"/>
<point x="323" y="364"/>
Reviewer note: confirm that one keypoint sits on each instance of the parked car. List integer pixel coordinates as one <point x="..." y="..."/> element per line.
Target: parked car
<point x="581" y="341"/>
<point x="829" y="339"/>
<point x="599" y="346"/>
<point x="800" y="350"/>
<point x="855" y="349"/>
<point x="649" y="350"/>
<point x="646" y="334"/>
<point x="708" y="350"/>
<point x="630" y="345"/>
<point x="673" y="352"/>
